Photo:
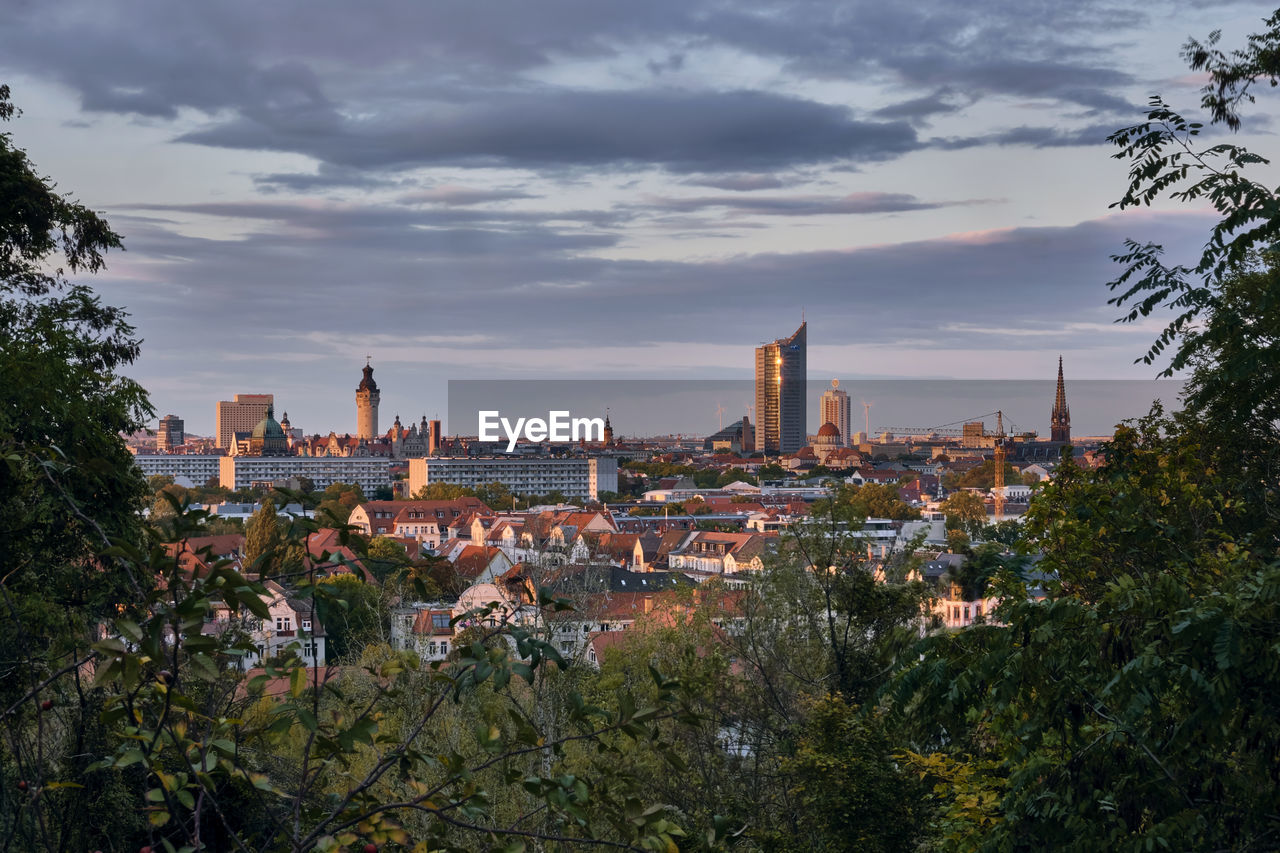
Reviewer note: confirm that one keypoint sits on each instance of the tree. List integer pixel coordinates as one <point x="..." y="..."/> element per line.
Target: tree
<point x="263" y="542"/>
<point x="384" y="557"/>
<point x="983" y="477"/>
<point x="871" y="500"/>
<point x="68" y="491"/>
<point x="965" y="511"/>
<point x="1123" y="710"/>
<point x="772" y="471"/>
<point x="354" y="614"/>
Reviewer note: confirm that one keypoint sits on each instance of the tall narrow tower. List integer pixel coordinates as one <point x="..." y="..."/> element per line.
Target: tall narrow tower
<point x="780" y="394"/>
<point x="833" y="408"/>
<point x="1060" y="419"/>
<point x="367" y="399"/>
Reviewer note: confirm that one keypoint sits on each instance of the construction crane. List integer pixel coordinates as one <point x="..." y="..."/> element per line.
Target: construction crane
<point x="947" y="428"/>
<point x="914" y="431"/>
<point x="1000" y="449"/>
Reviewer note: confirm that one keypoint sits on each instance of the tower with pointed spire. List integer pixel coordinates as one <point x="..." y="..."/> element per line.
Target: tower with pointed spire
<point x="1060" y="418"/>
<point x="367" y="399"/>
<point x="608" y="430"/>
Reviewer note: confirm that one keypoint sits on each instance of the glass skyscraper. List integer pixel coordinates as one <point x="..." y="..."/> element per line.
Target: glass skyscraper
<point x="780" y="394"/>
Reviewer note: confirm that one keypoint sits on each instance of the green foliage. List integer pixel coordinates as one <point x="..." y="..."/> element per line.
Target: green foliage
<point x="850" y="790"/>
<point x="355" y="615"/>
<point x="384" y="557"/>
<point x="872" y="500"/>
<point x="772" y="471"/>
<point x="965" y="511"/>
<point x="983" y="477"/>
<point x="264" y="540"/>
<point x="1167" y="160"/>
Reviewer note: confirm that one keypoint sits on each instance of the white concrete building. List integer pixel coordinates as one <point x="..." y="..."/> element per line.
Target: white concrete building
<point x="187" y="471"/>
<point x="577" y="477"/>
<point x="367" y="472"/>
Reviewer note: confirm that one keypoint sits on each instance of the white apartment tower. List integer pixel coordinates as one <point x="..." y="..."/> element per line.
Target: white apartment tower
<point x="833" y="408"/>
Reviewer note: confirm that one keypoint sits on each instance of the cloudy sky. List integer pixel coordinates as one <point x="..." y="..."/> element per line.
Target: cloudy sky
<point x="580" y="188"/>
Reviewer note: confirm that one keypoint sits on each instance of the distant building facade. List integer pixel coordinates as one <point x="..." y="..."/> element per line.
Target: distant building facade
<point x="245" y="472"/>
<point x="187" y="470"/>
<point x="576" y="477"/>
<point x="781" y="367"/>
<point x="170" y="433"/>
<point x="833" y="408"/>
<point x="241" y="414"/>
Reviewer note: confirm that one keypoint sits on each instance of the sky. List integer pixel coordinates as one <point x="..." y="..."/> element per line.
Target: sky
<point x="552" y="189"/>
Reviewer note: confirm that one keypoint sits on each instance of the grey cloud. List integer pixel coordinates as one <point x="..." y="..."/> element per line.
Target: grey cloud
<point x="1037" y="137"/>
<point x="681" y="130"/>
<point x="918" y="110"/>
<point x="461" y="196"/>
<point x="802" y="205"/>
<point x="390" y="84"/>
<point x="327" y="177"/>
<point x="738" y="183"/>
<point x="533" y="287"/>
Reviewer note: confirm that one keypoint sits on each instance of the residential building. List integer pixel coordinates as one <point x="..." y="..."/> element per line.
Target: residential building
<point x="713" y="552"/>
<point x="423" y="628"/>
<point x="241" y="414"/>
<point x="427" y="522"/>
<point x="576" y="477"/>
<point x="291" y="622"/>
<point x="833" y="408"/>
<point x="186" y="470"/>
<point x="780" y="394"/>
<point x="244" y="472"/>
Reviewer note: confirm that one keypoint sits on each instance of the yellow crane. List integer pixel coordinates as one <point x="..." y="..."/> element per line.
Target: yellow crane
<point x="998" y="487"/>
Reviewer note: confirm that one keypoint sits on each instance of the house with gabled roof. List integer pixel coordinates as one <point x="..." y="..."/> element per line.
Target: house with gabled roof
<point x="291" y="624"/>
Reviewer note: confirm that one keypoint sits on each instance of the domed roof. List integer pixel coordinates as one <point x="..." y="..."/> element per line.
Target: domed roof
<point x="367" y="383"/>
<point x="267" y="427"/>
<point x="829" y="430"/>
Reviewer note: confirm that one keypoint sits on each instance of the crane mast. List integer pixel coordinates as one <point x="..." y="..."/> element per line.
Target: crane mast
<point x="999" y="463"/>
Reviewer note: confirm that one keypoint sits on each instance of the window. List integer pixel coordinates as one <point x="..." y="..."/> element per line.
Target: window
<point x="431" y="648"/>
<point x="444" y="647"/>
<point x="284" y="623"/>
<point x="306" y="624"/>
<point x="440" y="621"/>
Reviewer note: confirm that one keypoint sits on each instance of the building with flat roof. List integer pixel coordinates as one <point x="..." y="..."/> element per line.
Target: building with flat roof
<point x="781" y="367"/>
<point x="170" y="433"/>
<point x="241" y="414"/>
<point x="186" y="470"/>
<point x="245" y="472"/>
<point x="576" y="477"/>
<point x="833" y="408"/>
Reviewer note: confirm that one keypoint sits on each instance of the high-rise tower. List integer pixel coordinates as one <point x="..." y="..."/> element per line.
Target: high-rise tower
<point x="367" y="399"/>
<point x="780" y="394"/>
<point x="1060" y="418"/>
<point x="833" y="408"/>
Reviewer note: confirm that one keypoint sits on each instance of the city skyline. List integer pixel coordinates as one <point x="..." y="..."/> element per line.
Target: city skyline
<point x="625" y="193"/>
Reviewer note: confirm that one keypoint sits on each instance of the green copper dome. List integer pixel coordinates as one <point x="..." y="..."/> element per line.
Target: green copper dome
<point x="268" y="438"/>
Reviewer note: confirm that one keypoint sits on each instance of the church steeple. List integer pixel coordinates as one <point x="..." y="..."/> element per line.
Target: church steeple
<point x="1060" y="418"/>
